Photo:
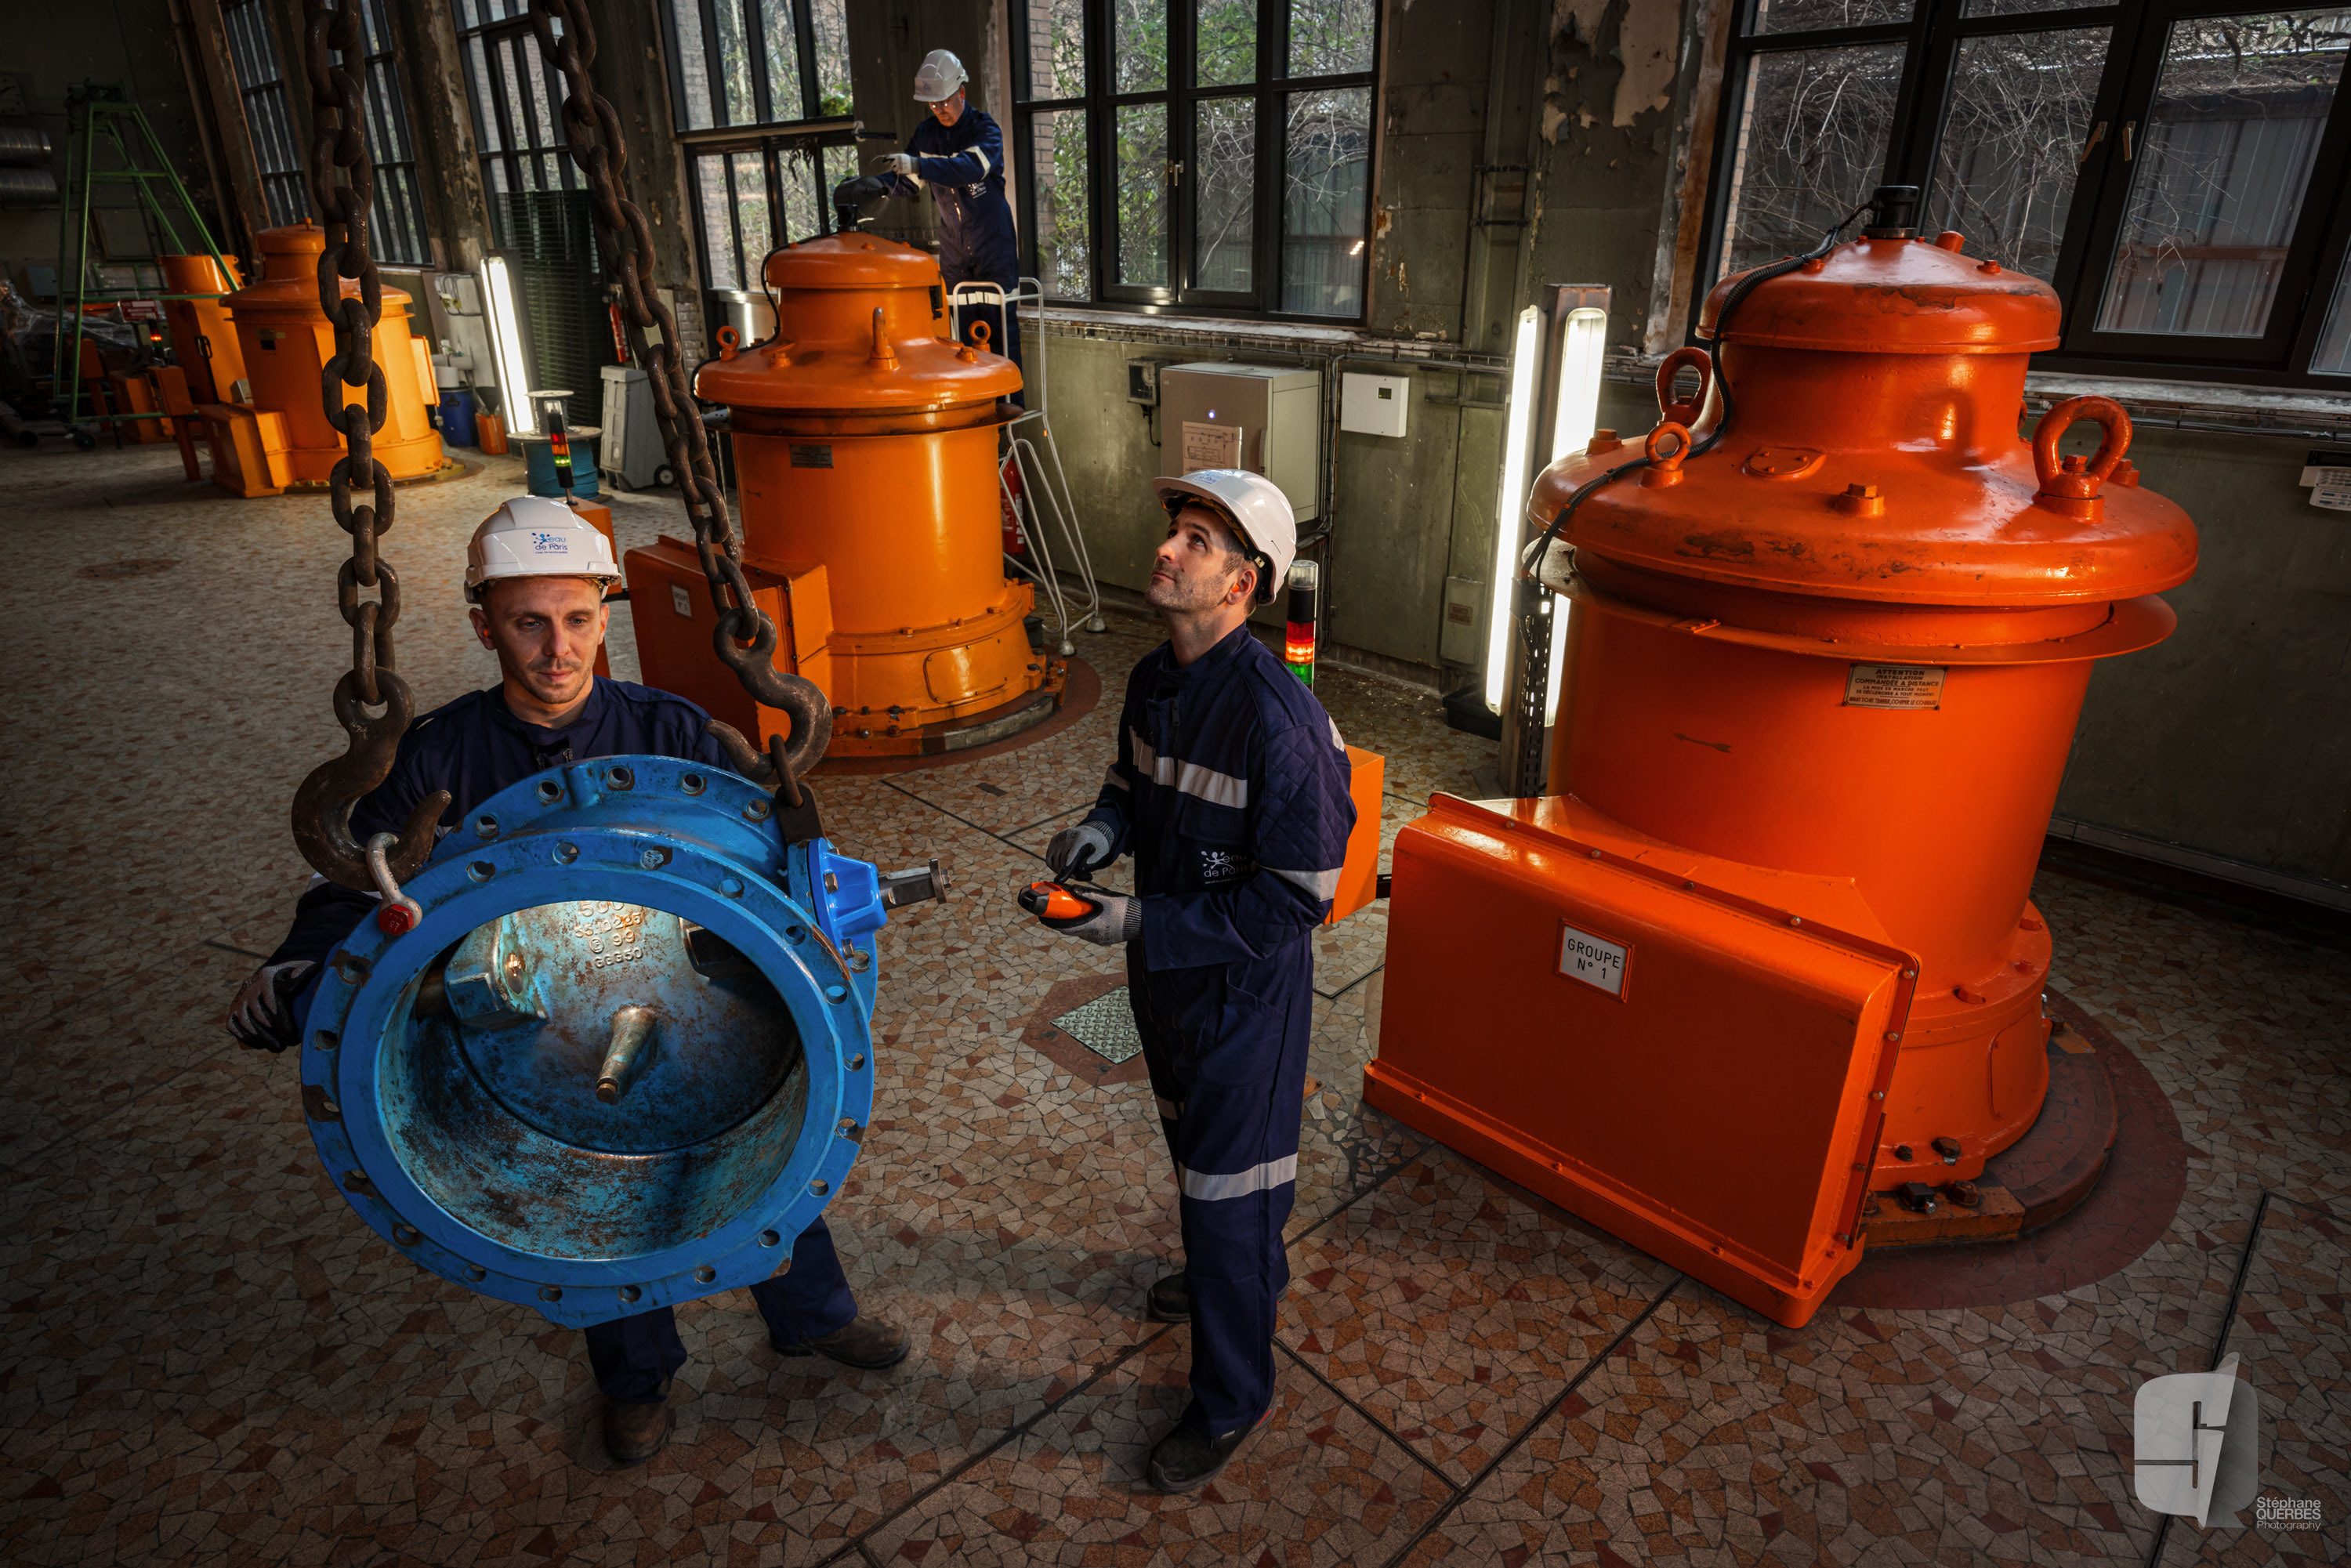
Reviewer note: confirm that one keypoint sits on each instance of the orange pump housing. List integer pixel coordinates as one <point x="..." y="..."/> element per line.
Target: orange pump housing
<point x="1766" y="944"/>
<point x="865" y="443"/>
<point x="203" y="337"/>
<point x="286" y="341"/>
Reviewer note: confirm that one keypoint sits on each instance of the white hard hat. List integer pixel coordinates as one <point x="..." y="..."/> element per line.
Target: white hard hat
<point x="939" y="77"/>
<point x="1255" y="506"/>
<point x="531" y="536"/>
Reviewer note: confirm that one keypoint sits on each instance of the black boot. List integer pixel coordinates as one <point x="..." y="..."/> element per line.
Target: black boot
<point x="1187" y="1460"/>
<point x="866" y="1342"/>
<point x="635" y="1433"/>
<point x="1169" y="1301"/>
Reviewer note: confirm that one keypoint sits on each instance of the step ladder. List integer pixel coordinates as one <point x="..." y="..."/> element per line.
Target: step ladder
<point x="96" y="109"/>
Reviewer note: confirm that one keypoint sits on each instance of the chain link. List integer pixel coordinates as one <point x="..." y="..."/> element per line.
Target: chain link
<point x="322" y="806"/>
<point x="746" y="638"/>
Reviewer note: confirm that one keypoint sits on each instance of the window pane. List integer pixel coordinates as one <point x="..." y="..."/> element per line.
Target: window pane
<point x="2334" y="355"/>
<point x="1056" y="49"/>
<point x="2020" y="113"/>
<point x="1224" y="193"/>
<point x="2019" y="7"/>
<point x="783" y="61"/>
<point x="1141" y="172"/>
<point x="486" y="124"/>
<point x="840" y="163"/>
<point x="2220" y="166"/>
<point x="1811" y="142"/>
<point x="804" y="203"/>
<point x="1056" y="140"/>
<point x="691" y="63"/>
<point x="1224" y="42"/>
<point x="1805" y="16"/>
<point x="717" y="222"/>
<point x="1138" y="39"/>
<point x="1331" y="37"/>
<point x="832" y="19"/>
<point x="1327" y="158"/>
<point x="751" y="213"/>
<point x="735" y="65"/>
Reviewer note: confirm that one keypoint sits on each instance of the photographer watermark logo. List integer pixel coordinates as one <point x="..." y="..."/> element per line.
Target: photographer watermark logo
<point x="2196" y="1444"/>
<point x="2288" y="1512"/>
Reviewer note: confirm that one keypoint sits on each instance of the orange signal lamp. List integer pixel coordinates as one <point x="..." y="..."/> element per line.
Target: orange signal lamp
<point x="1765" y="946"/>
<point x="286" y="342"/>
<point x="1298" y="636"/>
<point x="864" y="444"/>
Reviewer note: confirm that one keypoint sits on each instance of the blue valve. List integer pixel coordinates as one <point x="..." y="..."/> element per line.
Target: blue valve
<point x="623" y="1057"/>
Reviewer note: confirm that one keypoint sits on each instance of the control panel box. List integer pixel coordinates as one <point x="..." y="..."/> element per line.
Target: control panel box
<point x="1267" y="418"/>
<point x="1373" y="405"/>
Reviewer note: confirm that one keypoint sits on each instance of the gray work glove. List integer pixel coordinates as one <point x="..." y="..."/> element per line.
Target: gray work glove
<point x="1076" y="850"/>
<point x="899" y="163"/>
<point x="1117" y="918"/>
<point x="262" y="1016"/>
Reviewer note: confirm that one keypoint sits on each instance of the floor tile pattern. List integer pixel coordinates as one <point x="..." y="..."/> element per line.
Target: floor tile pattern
<point x="211" y="1360"/>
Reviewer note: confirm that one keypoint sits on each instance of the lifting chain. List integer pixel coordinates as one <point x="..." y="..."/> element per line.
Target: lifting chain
<point x="322" y="806"/>
<point x="601" y="154"/>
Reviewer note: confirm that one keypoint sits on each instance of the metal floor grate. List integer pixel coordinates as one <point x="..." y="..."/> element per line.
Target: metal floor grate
<point x="1104" y="1026"/>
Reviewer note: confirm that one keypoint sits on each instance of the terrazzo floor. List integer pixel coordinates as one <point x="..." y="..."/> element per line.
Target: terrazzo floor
<point x="210" y="1360"/>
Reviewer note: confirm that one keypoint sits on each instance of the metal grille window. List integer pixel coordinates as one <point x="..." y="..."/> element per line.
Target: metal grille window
<point x="1208" y="154"/>
<point x="253" y="56"/>
<point x="398" y="233"/>
<point x="2174" y="168"/>
<point x="757" y="62"/>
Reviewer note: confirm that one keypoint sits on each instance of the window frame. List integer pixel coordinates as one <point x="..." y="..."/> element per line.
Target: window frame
<point x="755" y="42"/>
<point x="772" y="150"/>
<point x="510" y="31"/>
<point x="2129" y="78"/>
<point x="1098" y="106"/>
<point x="285" y="192"/>
<point x="398" y="233"/>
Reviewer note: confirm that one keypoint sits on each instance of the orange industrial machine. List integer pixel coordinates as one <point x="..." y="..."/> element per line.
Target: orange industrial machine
<point x="1766" y="946"/>
<point x="203" y="336"/>
<point x="286" y="341"/>
<point x="864" y="447"/>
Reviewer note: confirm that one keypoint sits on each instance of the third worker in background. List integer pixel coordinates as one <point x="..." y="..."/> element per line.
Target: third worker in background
<point x="1230" y="790"/>
<point x="957" y="155"/>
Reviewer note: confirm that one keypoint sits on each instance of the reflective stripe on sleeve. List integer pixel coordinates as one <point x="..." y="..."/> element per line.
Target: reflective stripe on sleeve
<point x="1189" y="777"/>
<point x="1168" y="1110"/>
<point x="1336" y="738"/>
<point x="1208" y="1188"/>
<point x="984" y="164"/>
<point x="1110" y="777"/>
<point x="1318" y="884"/>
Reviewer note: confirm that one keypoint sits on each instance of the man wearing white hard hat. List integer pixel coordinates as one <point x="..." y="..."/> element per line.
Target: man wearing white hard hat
<point x="1230" y="790"/>
<point x="536" y="575"/>
<point x="958" y="154"/>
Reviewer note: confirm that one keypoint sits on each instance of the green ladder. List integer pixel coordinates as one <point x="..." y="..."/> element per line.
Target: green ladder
<point x="92" y="108"/>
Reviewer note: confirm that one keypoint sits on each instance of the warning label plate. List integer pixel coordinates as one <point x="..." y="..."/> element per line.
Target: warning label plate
<point x="1895" y="685"/>
<point x="1596" y="961"/>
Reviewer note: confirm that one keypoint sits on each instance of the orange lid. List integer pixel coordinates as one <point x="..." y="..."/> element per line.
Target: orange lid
<point x="289" y="272"/>
<point x="861" y="325"/>
<point x="1894" y="297"/>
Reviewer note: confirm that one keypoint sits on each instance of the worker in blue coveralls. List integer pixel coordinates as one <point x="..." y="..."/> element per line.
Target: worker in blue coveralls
<point x="536" y="575"/>
<point x="958" y="155"/>
<point x="1230" y="790"/>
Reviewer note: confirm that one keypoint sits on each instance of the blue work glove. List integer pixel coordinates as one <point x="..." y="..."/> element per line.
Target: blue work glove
<point x="1076" y="850"/>
<point x="1116" y="919"/>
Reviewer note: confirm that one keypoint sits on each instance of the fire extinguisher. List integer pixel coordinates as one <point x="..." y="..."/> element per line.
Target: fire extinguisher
<point x="1016" y="539"/>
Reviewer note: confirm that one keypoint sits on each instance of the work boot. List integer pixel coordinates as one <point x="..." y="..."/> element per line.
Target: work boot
<point x="866" y="1342"/>
<point x="1169" y="1301"/>
<point x="635" y="1433"/>
<point x="1187" y="1460"/>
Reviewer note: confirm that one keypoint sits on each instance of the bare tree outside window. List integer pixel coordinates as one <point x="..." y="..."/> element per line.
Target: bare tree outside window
<point x="2012" y="144"/>
<point x="2221" y="171"/>
<point x="1142" y="178"/>
<point x="830" y="19"/>
<point x="1809" y="143"/>
<point x="1064" y="253"/>
<point x="1327" y="138"/>
<point x="1331" y="38"/>
<point x="1814" y="16"/>
<point x="1224" y="42"/>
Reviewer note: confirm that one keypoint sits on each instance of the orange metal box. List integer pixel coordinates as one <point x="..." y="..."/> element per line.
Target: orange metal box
<point x="1359" y="878"/>
<point x="669" y="604"/>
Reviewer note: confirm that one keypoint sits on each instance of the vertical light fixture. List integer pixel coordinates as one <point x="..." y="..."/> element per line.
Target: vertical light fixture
<point x="505" y="342"/>
<point x="1510" y="500"/>
<point x="1576" y="402"/>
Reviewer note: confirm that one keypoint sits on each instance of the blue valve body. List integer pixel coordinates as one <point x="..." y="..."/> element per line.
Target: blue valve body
<point x="451" y="1074"/>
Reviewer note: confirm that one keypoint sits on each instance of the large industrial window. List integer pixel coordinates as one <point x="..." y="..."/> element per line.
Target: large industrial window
<point x="2174" y="168"/>
<point x="398" y="231"/>
<point x="1205" y="154"/>
<point x="757" y="62"/>
<point x="261" y="84"/>
<point x="754" y="197"/>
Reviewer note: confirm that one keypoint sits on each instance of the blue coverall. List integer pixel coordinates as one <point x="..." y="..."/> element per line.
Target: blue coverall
<point x="1231" y="792"/>
<point x="473" y="748"/>
<point x="962" y="165"/>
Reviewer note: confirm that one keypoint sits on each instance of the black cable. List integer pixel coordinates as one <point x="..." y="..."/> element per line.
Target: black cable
<point x="1534" y="553"/>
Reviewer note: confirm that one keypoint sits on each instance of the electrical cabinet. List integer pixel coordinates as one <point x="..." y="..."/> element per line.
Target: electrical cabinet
<point x="1267" y="418"/>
